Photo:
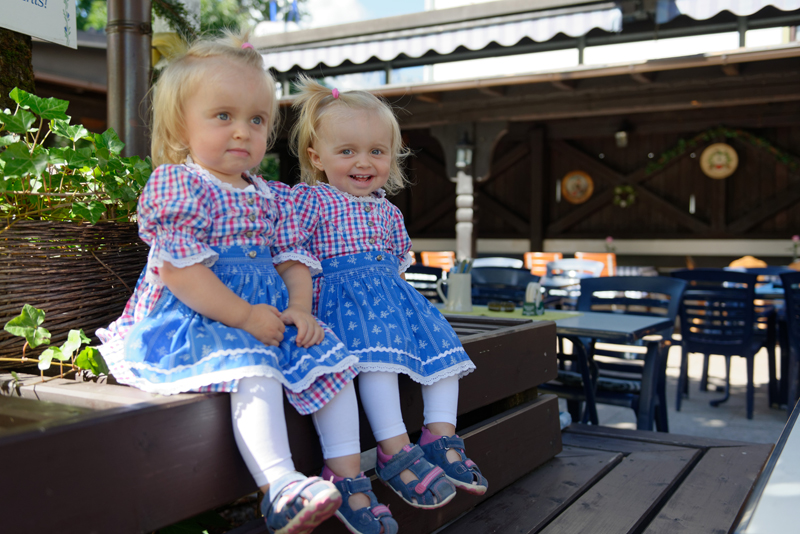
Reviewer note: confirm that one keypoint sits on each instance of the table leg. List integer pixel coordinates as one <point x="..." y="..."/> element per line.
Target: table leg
<point x="582" y="357"/>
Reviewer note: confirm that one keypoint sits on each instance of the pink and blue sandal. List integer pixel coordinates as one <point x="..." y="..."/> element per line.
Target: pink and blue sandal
<point x="301" y="505"/>
<point x="463" y="474"/>
<point x="373" y="519"/>
<point x="431" y="489"/>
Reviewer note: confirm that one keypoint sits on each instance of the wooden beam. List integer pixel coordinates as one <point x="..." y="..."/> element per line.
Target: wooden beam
<point x="504" y="212"/>
<point x="426" y="160"/>
<point x="644" y="77"/>
<point x="508" y="160"/>
<point x="496" y="91"/>
<point x="597" y="202"/>
<point x="444" y="206"/>
<point x="431" y="98"/>
<point x="731" y="69"/>
<point x="565" y="85"/>
<point x="779" y="202"/>
<point x="537" y="185"/>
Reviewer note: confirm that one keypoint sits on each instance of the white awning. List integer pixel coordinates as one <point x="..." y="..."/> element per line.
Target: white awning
<point x="669" y="9"/>
<point x="444" y="39"/>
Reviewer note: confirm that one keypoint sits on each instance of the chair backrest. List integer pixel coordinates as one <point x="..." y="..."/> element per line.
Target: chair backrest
<point x="766" y="275"/>
<point x="574" y="268"/>
<point x="500" y="283"/>
<point x="537" y="261"/>
<point x="717" y="312"/>
<point x="497" y="261"/>
<point x="636" y="295"/>
<point x="443" y="259"/>
<point x="791" y="293"/>
<point x="609" y="259"/>
<point x="424" y="280"/>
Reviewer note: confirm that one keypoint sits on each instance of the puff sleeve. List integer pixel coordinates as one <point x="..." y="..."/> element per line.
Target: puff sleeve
<point x="174" y="217"/>
<point x="290" y="240"/>
<point x="400" y="242"/>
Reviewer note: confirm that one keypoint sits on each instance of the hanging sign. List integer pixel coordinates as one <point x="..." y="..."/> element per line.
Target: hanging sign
<point x="51" y="20"/>
<point x="719" y="160"/>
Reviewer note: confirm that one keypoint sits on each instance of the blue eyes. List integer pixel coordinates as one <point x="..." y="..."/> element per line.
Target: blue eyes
<point x="223" y="116"/>
<point x="373" y="152"/>
<point x="226" y="117"/>
<point x="257" y="120"/>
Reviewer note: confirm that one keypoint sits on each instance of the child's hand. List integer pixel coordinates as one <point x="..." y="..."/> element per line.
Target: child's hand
<point x="309" y="332"/>
<point x="264" y="323"/>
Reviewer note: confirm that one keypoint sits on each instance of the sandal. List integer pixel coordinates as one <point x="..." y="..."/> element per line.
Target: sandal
<point x="373" y="519"/>
<point x="289" y="514"/>
<point x="463" y="474"/>
<point x="431" y="489"/>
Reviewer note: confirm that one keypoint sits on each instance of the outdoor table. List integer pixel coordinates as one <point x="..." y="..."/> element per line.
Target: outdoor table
<point x="624" y="329"/>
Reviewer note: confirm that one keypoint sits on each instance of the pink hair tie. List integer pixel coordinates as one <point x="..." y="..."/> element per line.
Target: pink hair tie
<point x="247" y="45"/>
<point x="335" y="93"/>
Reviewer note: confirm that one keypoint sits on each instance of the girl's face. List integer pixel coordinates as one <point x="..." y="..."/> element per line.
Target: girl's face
<point x="227" y="121"/>
<point x="354" y="151"/>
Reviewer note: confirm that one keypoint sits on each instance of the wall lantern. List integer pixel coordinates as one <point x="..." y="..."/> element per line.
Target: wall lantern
<point x="464" y="152"/>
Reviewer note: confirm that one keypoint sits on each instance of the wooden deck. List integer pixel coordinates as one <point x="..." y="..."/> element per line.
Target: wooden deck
<point x="610" y="481"/>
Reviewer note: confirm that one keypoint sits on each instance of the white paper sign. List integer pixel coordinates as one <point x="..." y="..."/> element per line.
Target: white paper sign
<point x="51" y="20"/>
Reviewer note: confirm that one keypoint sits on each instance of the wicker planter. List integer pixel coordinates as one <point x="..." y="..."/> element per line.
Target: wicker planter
<point x="81" y="275"/>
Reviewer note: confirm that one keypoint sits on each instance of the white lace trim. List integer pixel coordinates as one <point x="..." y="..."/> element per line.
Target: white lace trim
<point x="313" y="265"/>
<point x="375" y="197"/>
<point x="113" y="355"/>
<point x="406" y="263"/>
<point x="412" y="356"/>
<point x="461" y="370"/>
<point x="207" y="258"/>
<point x="225" y="185"/>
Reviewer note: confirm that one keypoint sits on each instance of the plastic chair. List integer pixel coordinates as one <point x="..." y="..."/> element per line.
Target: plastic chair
<point x="413" y="257"/>
<point x="717" y="316"/>
<point x="442" y="259"/>
<point x="791" y="292"/>
<point x="570" y="271"/>
<point x="424" y="280"/>
<point x="537" y="261"/>
<point x="609" y="260"/>
<point x="497" y="261"/>
<point x="639" y="384"/>
<point x="500" y="283"/>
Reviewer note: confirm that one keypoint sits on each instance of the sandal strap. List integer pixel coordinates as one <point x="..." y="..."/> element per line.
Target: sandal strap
<point x="400" y="462"/>
<point x="422" y="486"/>
<point x="360" y="484"/>
<point x="380" y="511"/>
<point x="449" y="442"/>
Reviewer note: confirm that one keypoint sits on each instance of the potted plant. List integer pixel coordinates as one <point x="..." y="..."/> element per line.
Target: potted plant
<point x="68" y="238"/>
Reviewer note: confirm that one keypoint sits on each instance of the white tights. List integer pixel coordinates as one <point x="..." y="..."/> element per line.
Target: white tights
<point x="259" y="427"/>
<point x="380" y="398"/>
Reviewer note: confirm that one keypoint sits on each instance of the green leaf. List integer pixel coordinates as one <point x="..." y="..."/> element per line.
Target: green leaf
<point x="92" y="211"/>
<point x="77" y="159"/>
<point x="20" y="123"/>
<point x="8" y="139"/>
<point x="27" y="325"/>
<point x="75" y="338"/>
<point x="46" y="358"/>
<point x="20" y="162"/>
<point x="91" y="359"/>
<point x="109" y="140"/>
<point x="20" y="96"/>
<point x="47" y="108"/>
<point x="74" y="132"/>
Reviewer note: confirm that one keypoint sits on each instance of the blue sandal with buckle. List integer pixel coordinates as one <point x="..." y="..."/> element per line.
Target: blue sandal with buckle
<point x="373" y="519"/>
<point x="431" y="489"/>
<point x="301" y="505"/>
<point x="463" y="474"/>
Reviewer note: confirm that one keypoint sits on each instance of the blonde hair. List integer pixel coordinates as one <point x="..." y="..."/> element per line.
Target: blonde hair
<point x="179" y="80"/>
<point x="314" y="102"/>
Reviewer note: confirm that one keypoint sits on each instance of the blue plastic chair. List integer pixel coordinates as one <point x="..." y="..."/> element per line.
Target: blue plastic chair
<point x="717" y="316"/>
<point x="500" y="283"/>
<point x="424" y="279"/>
<point x="638" y="384"/>
<point x="791" y="292"/>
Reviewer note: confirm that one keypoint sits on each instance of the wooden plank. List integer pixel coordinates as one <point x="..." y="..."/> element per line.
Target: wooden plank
<point x="712" y="495"/>
<point x="23" y="415"/>
<point x="532" y="501"/>
<point x="538" y="189"/>
<point x="626" y="498"/>
<point x="677" y="440"/>
<point x="625" y="446"/>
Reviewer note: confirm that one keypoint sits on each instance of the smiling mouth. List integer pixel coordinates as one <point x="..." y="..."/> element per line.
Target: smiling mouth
<point x="361" y="177"/>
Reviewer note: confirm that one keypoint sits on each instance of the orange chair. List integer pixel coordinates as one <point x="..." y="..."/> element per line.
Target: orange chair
<point x="443" y="259"/>
<point x="537" y="261"/>
<point x="609" y="259"/>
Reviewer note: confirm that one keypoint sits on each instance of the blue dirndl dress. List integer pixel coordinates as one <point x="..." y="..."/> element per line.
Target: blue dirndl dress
<point x="179" y="349"/>
<point x="386" y="322"/>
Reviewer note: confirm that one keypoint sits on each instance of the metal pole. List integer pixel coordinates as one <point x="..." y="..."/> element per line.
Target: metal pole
<point x="129" y="34"/>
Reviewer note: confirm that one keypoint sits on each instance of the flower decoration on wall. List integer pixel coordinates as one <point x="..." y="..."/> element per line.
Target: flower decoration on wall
<point x="610" y="244"/>
<point x="624" y="196"/>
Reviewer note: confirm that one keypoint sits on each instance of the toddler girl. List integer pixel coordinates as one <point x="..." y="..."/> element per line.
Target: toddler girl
<point x="350" y="152"/>
<point x="225" y="301"/>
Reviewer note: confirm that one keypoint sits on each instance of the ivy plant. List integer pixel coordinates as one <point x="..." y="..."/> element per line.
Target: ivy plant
<point x="29" y="325"/>
<point x="53" y="170"/>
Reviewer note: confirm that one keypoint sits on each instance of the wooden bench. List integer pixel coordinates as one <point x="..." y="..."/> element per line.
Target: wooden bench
<point x="610" y="481"/>
<point x="110" y="459"/>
